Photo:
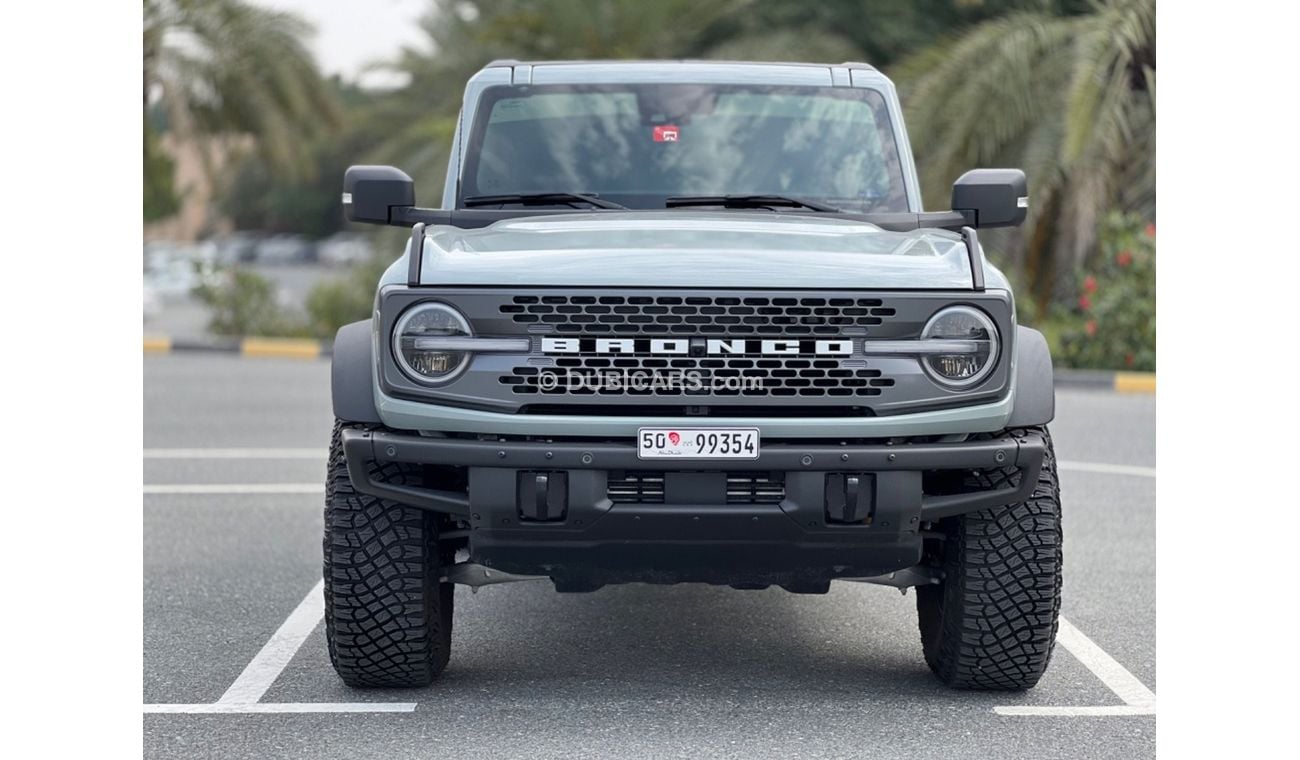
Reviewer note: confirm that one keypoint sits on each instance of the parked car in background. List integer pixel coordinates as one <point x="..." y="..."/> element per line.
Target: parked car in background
<point x="169" y="268"/>
<point x="238" y="248"/>
<point x="285" y="249"/>
<point x="152" y="303"/>
<point x="345" y="249"/>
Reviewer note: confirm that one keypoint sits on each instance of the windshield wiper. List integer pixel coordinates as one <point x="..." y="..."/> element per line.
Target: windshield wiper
<point x="748" y="201"/>
<point x="540" y="199"/>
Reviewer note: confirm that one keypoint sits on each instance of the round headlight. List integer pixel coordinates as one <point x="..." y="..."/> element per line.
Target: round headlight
<point x="414" y="342"/>
<point x="975" y="346"/>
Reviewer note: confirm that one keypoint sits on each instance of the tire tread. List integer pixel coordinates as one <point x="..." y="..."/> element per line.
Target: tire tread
<point x="387" y="616"/>
<point x="991" y="624"/>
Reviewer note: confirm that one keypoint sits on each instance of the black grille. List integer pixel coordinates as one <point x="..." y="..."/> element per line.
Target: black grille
<point x="754" y="489"/>
<point x="636" y="488"/>
<point x="747" y="376"/>
<point x="648" y="488"/>
<point x="696" y="315"/>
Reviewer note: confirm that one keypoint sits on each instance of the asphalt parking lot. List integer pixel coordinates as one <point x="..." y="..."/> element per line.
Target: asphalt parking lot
<point x="235" y="660"/>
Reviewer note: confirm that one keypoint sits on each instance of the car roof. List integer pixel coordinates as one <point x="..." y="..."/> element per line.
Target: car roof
<point x="510" y="62"/>
<point x="659" y="71"/>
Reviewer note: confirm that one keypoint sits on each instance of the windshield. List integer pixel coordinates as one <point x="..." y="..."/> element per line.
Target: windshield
<point x="638" y="145"/>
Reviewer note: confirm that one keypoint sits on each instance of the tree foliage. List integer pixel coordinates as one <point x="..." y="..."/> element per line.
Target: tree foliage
<point x="1069" y="98"/>
<point x="227" y="67"/>
<point x="1063" y="88"/>
<point x="1112" y="323"/>
<point x="160" y="197"/>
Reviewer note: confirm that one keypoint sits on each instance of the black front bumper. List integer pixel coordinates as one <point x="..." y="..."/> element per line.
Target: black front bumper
<point x="542" y="508"/>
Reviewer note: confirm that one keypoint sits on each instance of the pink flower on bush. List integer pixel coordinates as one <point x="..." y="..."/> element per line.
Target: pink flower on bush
<point x="1085" y="302"/>
<point x="1124" y="258"/>
<point x="1090" y="327"/>
<point x="1090" y="284"/>
<point x="1151" y="230"/>
<point x="1129" y="359"/>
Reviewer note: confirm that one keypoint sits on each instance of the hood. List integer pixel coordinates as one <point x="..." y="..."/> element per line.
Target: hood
<point x="690" y="249"/>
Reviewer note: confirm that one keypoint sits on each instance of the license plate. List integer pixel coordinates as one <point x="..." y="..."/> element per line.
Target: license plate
<point x="697" y="443"/>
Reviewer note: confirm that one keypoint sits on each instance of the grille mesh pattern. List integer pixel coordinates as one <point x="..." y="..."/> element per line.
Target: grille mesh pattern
<point x="696" y="315"/>
<point x="738" y="376"/>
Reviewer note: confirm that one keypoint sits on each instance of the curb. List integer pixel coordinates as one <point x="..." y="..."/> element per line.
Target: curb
<point x="300" y="348"/>
<point x="276" y="348"/>
<point x="1119" y="382"/>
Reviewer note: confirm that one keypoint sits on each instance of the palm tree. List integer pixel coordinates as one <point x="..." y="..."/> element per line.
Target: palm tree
<point x="225" y="67"/>
<point x="1071" y="99"/>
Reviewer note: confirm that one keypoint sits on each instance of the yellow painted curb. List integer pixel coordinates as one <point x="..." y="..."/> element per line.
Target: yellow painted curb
<point x="157" y="345"/>
<point x="292" y="348"/>
<point x="1135" y="382"/>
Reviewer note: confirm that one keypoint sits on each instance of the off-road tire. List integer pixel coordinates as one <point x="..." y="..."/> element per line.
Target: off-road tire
<point x="991" y="623"/>
<point x="387" y="616"/>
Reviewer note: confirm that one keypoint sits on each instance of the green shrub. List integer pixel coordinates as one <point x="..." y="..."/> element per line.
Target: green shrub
<point x="1112" y="323"/>
<point x="245" y="303"/>
<point x="339" y="301"/>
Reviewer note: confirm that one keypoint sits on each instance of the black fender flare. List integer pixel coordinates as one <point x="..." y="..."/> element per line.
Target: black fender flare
<point x="1035" y="390"/>
<point x="352" y="374"/>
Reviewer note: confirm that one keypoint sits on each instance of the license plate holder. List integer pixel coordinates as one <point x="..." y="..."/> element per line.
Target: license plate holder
<point x="708" y="443"/>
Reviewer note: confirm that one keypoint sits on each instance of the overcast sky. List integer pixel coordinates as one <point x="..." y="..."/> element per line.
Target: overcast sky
<point x="352" y="33"/>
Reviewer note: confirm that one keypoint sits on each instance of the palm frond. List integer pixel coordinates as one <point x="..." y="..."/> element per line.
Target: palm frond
<point x="1068" y="98"/>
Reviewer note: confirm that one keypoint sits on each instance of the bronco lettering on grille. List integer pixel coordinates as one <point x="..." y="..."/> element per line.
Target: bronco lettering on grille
<point x="710" y="346"/>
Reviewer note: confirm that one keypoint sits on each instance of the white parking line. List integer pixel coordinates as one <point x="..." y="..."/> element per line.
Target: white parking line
<point x="1108" y="469"/>
<point x="1073" y="712"/>
<point x="261" y="673"/>
<point x="276" y="654"/>
<point x="217" y="489"/>
<point x="236" y="453"/>
<point x="1138" y="699"/>
<point x="245" y="693"/>
<point x="283" y="707"/>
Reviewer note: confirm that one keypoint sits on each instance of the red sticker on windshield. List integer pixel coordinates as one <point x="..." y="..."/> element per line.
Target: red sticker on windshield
<point x="666" y="133"/>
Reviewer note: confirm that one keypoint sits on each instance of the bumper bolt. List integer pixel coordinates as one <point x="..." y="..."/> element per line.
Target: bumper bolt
<point x="807" y="460"/>
<point x="586" y="458"/>
<point x="844" y="457"/>
<point x="391" y="451"/>
<point x="892" y="457"/>
<point x="501" y="455"/>
<point x="550" y="455"/>
<point x="1000" y="457"/>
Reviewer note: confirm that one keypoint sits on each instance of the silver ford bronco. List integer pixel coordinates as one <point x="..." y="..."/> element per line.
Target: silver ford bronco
<point x="688" y="322"/>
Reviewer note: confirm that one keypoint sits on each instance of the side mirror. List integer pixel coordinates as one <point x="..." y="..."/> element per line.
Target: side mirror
<point x="992" y="197"/>
<point x="370" y="192"/>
